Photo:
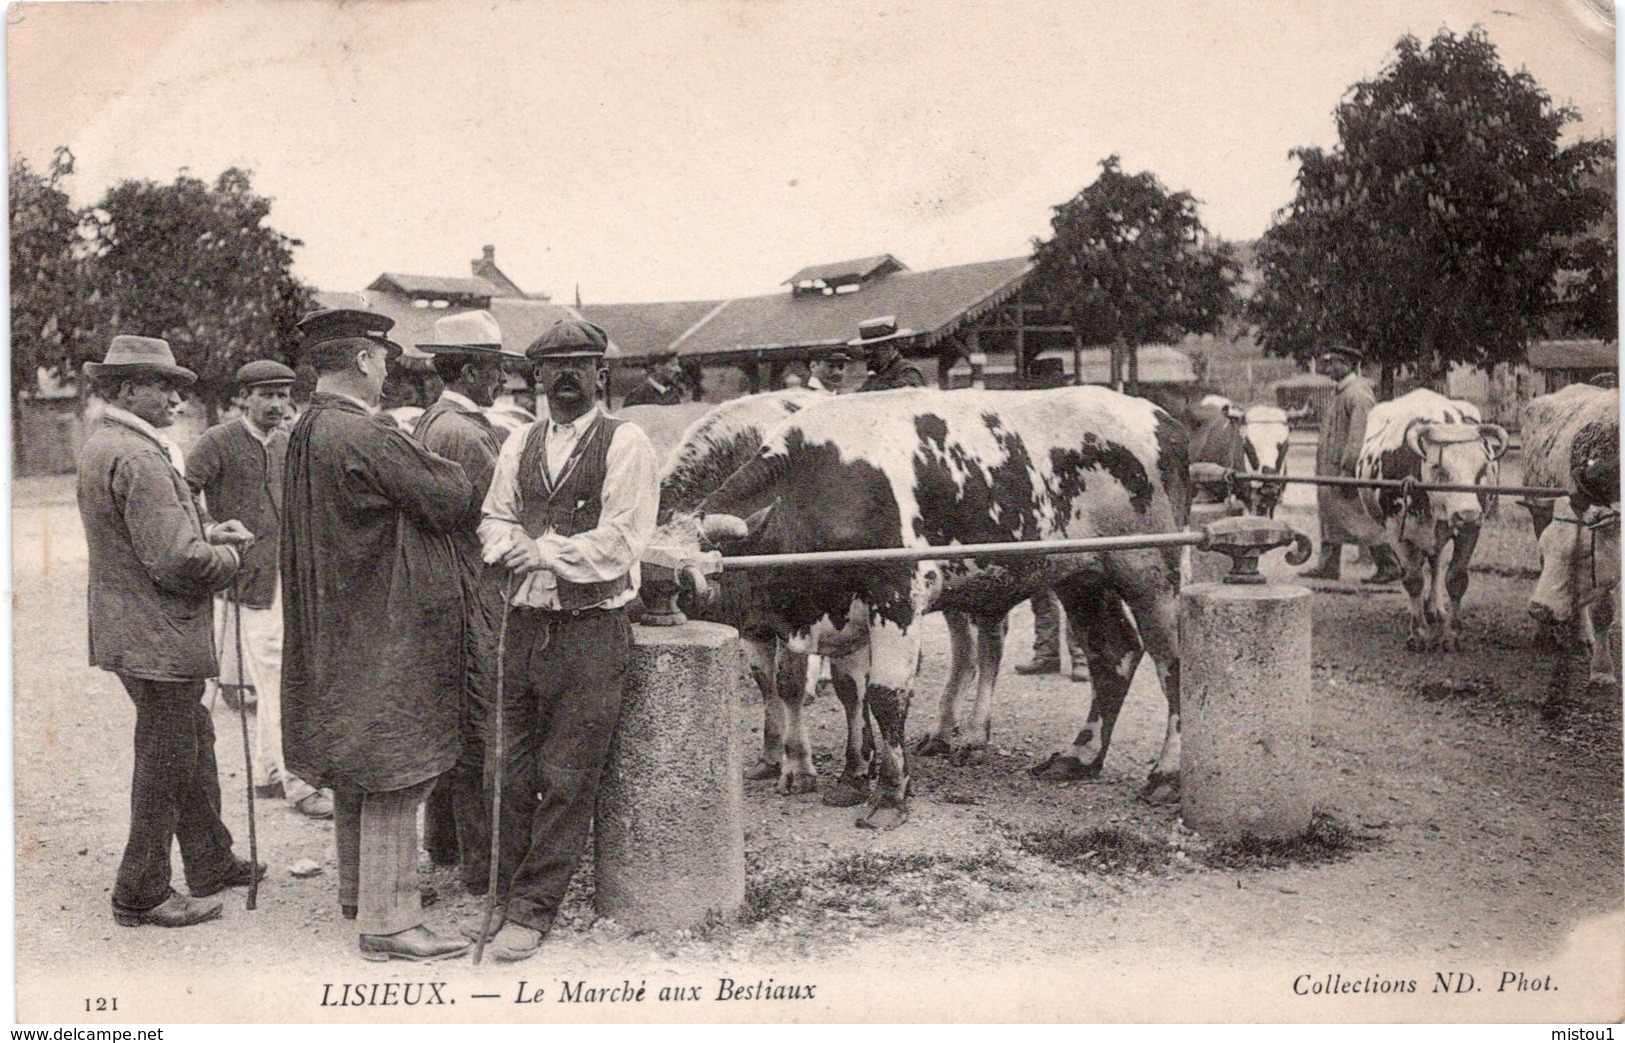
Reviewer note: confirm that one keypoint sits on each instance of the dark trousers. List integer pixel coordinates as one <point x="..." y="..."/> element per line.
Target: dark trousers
<point x="174" y="793"/>
<point x="562" y="700"/>
<point x="457" y="816"/>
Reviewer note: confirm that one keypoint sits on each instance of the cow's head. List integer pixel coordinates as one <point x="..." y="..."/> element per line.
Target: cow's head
<point x="1456" y="454"/>
<point x="1267" y="445"/>
<point x="1579" y="562"/>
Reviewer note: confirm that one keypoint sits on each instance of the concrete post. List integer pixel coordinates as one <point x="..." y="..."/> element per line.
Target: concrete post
<point x="1205" y="566"/>
<point x="1244" y="704"/>
<point x="670" y="828"/>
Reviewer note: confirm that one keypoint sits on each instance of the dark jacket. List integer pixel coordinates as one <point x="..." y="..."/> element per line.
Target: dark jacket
<point x="897" y="374"/>
<point x="371" y="602"/>
<point x="653" y="393"/>
<point x="242" y="479"/>
<point x="151" y="570"/>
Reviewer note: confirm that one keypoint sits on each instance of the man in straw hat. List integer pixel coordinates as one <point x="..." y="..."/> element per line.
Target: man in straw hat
<point x="571" y="508"/>
<point x="373" y="667"/>
<point x="879" y="339"/>
<point x="1343" y="518"/>
<point x="155" y="559"/>
<point x="467" y="352"/>
<point x="237" y="468"/>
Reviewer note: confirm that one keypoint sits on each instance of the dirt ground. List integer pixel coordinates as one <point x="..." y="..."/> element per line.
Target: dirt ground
<point x="1459" y="831"/>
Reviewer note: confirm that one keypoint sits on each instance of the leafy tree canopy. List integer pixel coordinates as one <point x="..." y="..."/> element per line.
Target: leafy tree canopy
<point x="45" y="285"/>
<point x="1433" y="232"/>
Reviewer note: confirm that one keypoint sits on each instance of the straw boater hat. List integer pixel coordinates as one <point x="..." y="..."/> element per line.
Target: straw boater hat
<point x="466" y="333"/>
<point x="1354" y="355"/>
<point x="874" y="331"/>
<point x="139" y="357"/>
<point x="265" y="373"/>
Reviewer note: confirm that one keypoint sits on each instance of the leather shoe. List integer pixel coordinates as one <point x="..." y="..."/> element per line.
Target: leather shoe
<point x="241" y="874"/>
<point x="470" y="927"/>
<point x="175" y="911"/>
<point x="1039" y="666"/>
<point x="514" y="942"/>
<point x="418" y="944"/>
<point x="316" y="804"/>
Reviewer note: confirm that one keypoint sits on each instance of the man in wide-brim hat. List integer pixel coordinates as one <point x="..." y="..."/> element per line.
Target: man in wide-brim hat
<point x="373" y="655"/>
<point x="468" y="357"/>
<point x="155" y="561"/>
<point x="881" y="342"/>
<point x="1343" y="518"/>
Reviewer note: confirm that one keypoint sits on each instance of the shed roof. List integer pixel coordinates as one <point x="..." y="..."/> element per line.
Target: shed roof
<point x="1574" y="354"/>
<point x="522" y="319"/>
<point x="933" y="303"/>
<point x="434" y="286"/>
<point x="862" y="268"/>
<point x="647" y="329"/>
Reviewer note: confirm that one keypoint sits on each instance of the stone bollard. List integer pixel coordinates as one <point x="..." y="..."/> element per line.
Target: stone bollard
<point x="1244" y="697"/>
<point x="670" y="828"/>
<point x="1207" y="566"/>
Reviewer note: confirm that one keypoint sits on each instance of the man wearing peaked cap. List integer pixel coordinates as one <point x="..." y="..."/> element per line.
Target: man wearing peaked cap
<point x="373" y="658"/>
<point x="325" y="333"/>
<point x="1343" y="518"/>
<point x="827" y="372"/>
<point x="571" y="508"/>
<point x="467" y="352"/>
<point x="879" y="339"/>
<point x="237" y="468"/>
<point x="155" y="559"/>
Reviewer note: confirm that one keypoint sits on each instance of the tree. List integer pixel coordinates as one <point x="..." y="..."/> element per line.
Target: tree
<point x="1130" y="263"/>
<point x="47" y="288"/>
<point x="1433" y="232"/>
<point x="1593" y="292"/>
<point x="197" y="265"/>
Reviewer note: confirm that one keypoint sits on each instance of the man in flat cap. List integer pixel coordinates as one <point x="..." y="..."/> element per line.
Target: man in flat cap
<point x="237" y="468"/>
<point x="663" y="386"/>
<point x="879" y="339"/>
<point x="1343" y="518"/>
<point x="373" y="671"/>
<point x="155" y="559"/>
<point x="467" y="352"/>
<point x="572" y="506"/>
<point x="827" y="372"/>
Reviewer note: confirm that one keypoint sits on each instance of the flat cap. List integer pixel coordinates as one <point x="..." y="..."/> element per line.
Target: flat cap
<point x="569" y="337"/>
<point x="264" y="373"/>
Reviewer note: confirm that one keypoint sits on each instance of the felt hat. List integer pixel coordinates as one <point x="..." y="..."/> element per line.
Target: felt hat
<point x="875" y="331"/>
<point x="129" y="356"/>
<point x="466" y="333"/>
<point x="264" y="373"/>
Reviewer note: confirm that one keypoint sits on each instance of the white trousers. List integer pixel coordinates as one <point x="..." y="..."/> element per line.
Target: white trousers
<point x="262" y="668"/>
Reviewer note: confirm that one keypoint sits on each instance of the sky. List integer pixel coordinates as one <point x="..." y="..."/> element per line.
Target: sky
<point x="652" y="150"/>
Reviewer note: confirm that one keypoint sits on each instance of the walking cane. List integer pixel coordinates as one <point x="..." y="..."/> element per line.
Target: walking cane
<point x="496" y="776"/>
<point x="248" y="753"/>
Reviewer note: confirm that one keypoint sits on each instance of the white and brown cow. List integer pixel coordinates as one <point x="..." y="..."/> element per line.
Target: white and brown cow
<point x="1571" y="441"/>
<point x="1268" y="439"/>
<point x="1430" y="438"/>
<point x="918" y="468"/>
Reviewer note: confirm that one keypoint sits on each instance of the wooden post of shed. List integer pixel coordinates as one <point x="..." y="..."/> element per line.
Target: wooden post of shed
<point x="1021" y="344"/>
<point x="1134" y="369"/>
<point x="1077" y="358"/>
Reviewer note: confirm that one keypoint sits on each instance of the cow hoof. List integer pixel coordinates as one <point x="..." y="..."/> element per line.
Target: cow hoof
<point x="1161" y="790"/>
<point x="970" y="756"/>
<point x="1059" y="767"/>
<point x="761" y="771"/>
<point x="932" y="746"/>
<point x="797" y="782"/>
<point x="884" y="814"/>
<point x="847" y="792"/>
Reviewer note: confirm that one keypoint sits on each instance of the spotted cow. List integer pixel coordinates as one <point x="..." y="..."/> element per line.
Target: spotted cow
<point x="1571" y="441"/>
<point x="1430" y="438"/>
<point x="919" y="468"/>
<point x="1268" y="437"/>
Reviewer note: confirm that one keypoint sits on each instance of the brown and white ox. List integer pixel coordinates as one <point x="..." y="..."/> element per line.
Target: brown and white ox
<point x="921" y="468"/>
<point x="1430" y="438"/>
<point x="1571" y="441"/>
<point x="1252" y="439"/>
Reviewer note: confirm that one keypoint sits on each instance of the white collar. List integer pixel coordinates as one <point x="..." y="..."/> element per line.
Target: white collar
<point x="262" y="437"/>
<point x="576" y="426"/>
<point x="460" y="400"/>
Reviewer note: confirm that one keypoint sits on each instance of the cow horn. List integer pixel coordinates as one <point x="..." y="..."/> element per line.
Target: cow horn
<point x="723" y="528"/>
<point x="1495" y="436"/>
<point x="1415" y="435"/>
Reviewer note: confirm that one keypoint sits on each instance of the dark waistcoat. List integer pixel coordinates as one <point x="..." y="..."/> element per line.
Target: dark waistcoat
<point x="568" y="503"/>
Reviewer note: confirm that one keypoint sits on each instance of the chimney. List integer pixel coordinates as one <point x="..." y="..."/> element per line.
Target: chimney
<point x="490" y="254"/>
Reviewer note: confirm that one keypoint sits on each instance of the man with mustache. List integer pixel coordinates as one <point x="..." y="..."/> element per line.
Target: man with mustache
<point x="154" y="561"/>
<point x="237" y="468"/>
<point x="571" y="507"/>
